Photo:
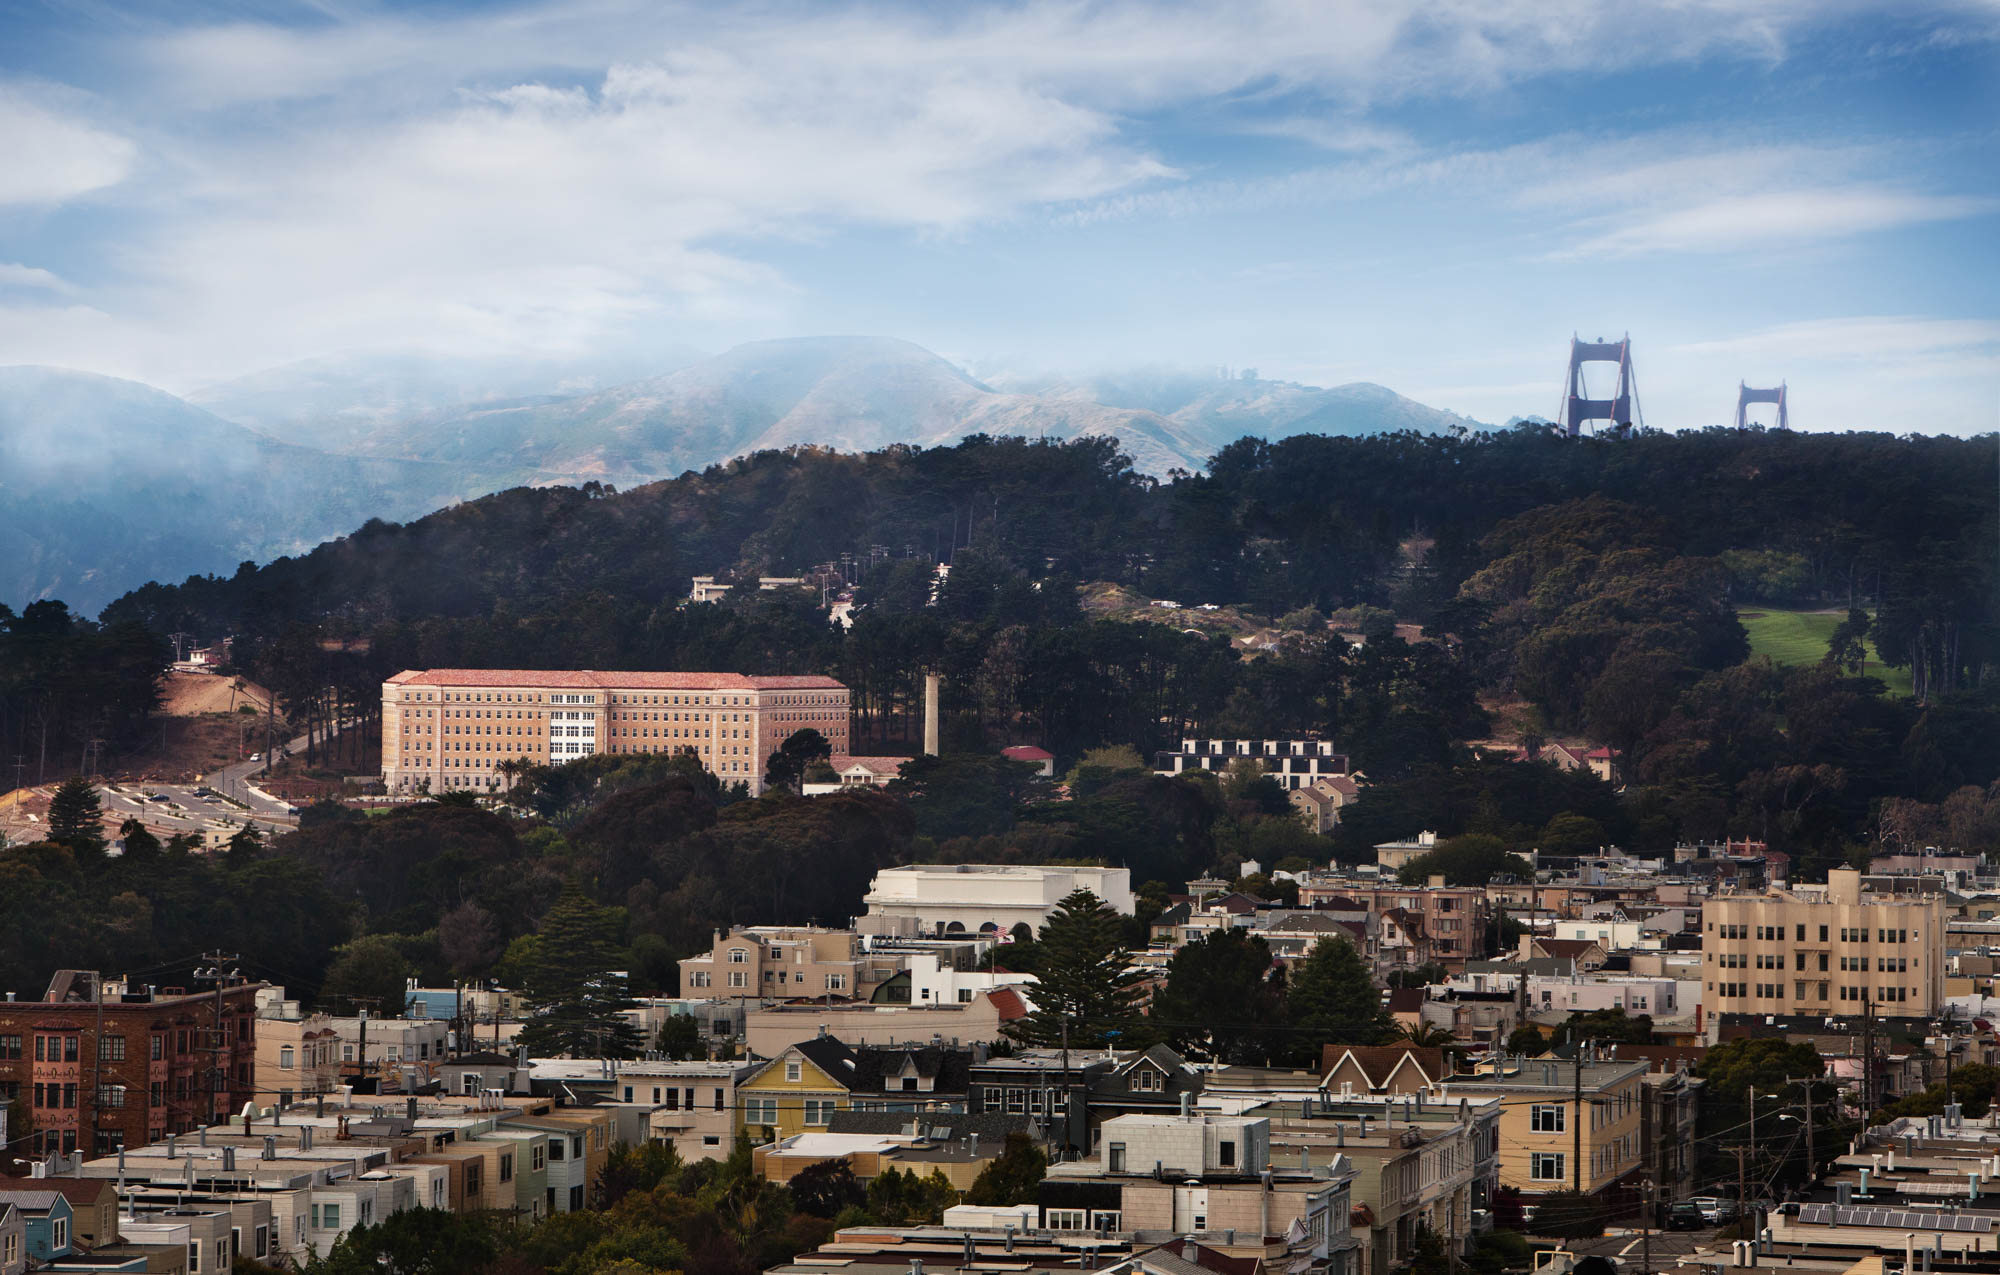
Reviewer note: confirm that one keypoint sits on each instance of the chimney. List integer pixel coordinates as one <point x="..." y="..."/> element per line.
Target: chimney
<point x="1864" y="1181"/>
<point x="410" y="1107"/>
<point x="1186" y="1104"/>
<point x="932" y="732"/>
<point x="1009" y="1234"/>
<point x="1842" y="1192"/>
<point x="1973" y="1188"/>
<point x="916" y="1266"/>
<point x="229" y="1159"/>
<point x="1340" y="1135"/>
<point x="305" y="1137"/>
<point x="270" y="1146"/>
<point x="172" y="1151"/>
<point x="319" y="1105"/>
<point x="201" y="1135"/>
<point x="1305" y="1161"/>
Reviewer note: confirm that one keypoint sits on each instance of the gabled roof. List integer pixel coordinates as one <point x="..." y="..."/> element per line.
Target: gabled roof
<point x="824" y="1052"/>
<point x="1027" y="752"/>
<point x="947" y="1069"/>
<point x="75" y="1190"/>
<point x="41" y="1199"/>
<point x="1379" y="1065"/>
<point x="1009" y="1003"/>
<point x="890" y="766"/>
<point x="1568" y="949"/>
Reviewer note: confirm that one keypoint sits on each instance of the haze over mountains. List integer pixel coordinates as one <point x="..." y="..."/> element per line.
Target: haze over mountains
<point x="109" y="483"/>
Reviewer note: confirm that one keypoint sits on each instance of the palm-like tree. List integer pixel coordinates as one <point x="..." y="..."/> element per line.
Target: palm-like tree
<point x="1426" y="1036"/>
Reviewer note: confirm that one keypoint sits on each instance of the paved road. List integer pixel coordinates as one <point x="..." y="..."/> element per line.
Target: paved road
<point x="235" y="781"/>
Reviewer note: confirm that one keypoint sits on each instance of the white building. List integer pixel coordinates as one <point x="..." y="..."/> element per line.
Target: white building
<point x="970" y="898"/>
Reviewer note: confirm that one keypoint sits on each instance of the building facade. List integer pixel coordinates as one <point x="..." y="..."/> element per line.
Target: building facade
<point x="446" y="729"/>
<point x="1294" y="763"/>
<point x="1829" y="951"/>
<point x="971" y="898"/>
<point x="103" y="1066"/>
<point x="1564" y="1124"/>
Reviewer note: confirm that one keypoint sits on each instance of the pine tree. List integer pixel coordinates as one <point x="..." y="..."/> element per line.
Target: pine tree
<point x="75" y="818"/>
<point x="1085" y="979"/>
<point x="1334" y="996"/>
<point x="578" y="1001"/>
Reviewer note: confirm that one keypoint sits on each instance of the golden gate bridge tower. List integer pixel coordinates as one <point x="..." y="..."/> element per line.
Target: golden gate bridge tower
<point x="1579" y="408"/>
<point x="1745" y="396"/>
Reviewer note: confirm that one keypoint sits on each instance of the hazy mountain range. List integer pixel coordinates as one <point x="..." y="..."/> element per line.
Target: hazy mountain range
<point x="105" y="484"/>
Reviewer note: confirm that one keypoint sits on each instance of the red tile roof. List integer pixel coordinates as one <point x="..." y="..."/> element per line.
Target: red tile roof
<point x="592" y="680"/>
<point x="1009" y="1003"/>
<point x="1027" y="752"/>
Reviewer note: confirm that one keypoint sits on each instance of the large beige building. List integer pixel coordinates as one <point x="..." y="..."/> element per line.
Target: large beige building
<point x="1828" y="949"/>
<point x="1559" y="1130"/>
<point x="445" y="729"/>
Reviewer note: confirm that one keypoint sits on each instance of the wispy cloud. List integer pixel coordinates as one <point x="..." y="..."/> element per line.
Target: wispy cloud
<point x="48" y="154"/>
<point x="15" y="275"/>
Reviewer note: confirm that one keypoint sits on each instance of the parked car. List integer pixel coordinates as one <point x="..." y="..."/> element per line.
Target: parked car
<point x="1715" y="1210"/>
<point x="1686" y="1216"/>
<point x="256" y="757"/>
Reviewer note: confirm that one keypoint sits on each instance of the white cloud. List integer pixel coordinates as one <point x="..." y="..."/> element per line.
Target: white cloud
<point x="15" y="275"/>
<point x="1776" y="219"/>
<point x="48" y="155"/>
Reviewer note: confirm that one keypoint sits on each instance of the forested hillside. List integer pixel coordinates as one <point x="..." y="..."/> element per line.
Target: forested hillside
<point x="1593" y="586"/>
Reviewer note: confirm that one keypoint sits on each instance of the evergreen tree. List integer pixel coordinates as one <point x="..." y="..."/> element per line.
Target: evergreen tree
<point x="141" y="846"/>
<point x="1221" y="999"/>
<point x="578" y="1002"/>
<point x="1013" y="1177"/>
<point x="75" y="818"/>
<point x="1085" y="979"/>
<point x="1333" y="1000"/>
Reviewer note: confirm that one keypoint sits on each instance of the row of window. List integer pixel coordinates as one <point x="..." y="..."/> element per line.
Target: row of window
<point x="1848" y="934"/>
<point x="1804" y="991"/>
<point x="762" y="1110"/>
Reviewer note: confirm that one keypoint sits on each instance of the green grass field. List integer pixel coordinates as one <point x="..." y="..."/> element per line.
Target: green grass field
<point x="1800" y="637"/>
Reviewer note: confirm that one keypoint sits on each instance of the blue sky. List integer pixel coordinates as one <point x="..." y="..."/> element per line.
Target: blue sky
<point x="1432" y="196"/>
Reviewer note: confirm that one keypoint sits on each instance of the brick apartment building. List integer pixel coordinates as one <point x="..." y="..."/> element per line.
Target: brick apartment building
<point x="1434" y="922"/>
<point x="135" y="1065"/>
<point x="452" y="728"/>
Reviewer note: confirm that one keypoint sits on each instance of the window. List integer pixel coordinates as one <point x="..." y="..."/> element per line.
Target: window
<point x="111" y="1048"/>
<point x="699" y="979"/>
<point x="1547" y="1119"/>
<point x="10" y="1047"/>
<point x="760" y="1111"/>
<point x="1547" y="1166"/>
<point x="818" y="1110"/>
<point x="507" y="1167"/>
<point x="738" y="956"/>
<point x="1114" y="1158"/>
<point x="1063" y="1219"/>
<point x="1146" y="1080"/>
<point x="285" y="1058"/>
<point x="794" y="1071"/>
<point x="836" y="982"/>
<point x="59" y="1233"/>
<point x="537" y="1157"/>
<point x="1226" y="1152"/>
<point x="738" y="979"/>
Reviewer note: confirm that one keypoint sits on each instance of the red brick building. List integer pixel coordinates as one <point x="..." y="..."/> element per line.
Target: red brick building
<point x="161" y="1062"/>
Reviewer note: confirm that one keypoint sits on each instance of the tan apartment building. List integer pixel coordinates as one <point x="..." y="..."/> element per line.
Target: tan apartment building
<point x="1561" y="1130"/>
<point x="782" y="962"/>
<point x="297" y="1057"/>
<point x="445" y="729"/>
<point x="1831" y="949"/>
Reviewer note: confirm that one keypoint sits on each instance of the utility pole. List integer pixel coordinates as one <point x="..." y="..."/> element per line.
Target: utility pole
<point x="1812" y="1165"/>
<point x="96" y="1061"/>
<point x="218" y="1076"/>
<point x="1576" y="1117"/>
<point x="1742" y="1186"/>
<point x="1646" y="1227"/>
<point x="1867" y="1056"/>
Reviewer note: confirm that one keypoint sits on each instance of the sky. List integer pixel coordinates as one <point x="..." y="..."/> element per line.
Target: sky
<point x="1433" y="196"/>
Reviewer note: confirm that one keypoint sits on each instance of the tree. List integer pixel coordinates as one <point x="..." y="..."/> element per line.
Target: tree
<point x="1087" y="989"/>
<point x="786" y="767"/>
<point x="1609" y="1026"/>
<point x="1473" y="859"/>
<point x="578" y="1000"/>
<point x="1847" y="648"/>
<point x="1221" y="999"/>
<point x="1332" y="997"/>
<point x="1527" y="1039"/>
<point x="369" y="972"/>
<point x="141" y="846"/>
<point x="419" y="1241"/>
<point x="1569" y="1215"/>
<point x="1572" y="834"/>
<point x="76" y="819"/>
<point x="827" y="1188"/>
<point x="680" y="1038"/>
<point x="469" y="936"/>
<point x="1013" y="1177"/>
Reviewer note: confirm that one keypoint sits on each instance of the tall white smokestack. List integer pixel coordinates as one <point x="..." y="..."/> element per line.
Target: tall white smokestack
<point x="931" y="731"/>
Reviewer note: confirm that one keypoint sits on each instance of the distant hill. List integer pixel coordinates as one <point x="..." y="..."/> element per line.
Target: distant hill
<point x="109" y="483"/>
<point x="1215" y="412"/>
<point x="105" y="484"/>
<point x="363" y="401"/>
<point x="847" y="393"/>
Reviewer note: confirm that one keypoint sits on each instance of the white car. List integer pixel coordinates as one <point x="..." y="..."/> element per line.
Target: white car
<point x="256" y="757"/>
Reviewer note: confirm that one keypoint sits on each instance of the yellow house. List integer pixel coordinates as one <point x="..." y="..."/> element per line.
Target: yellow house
<point x="1560" y="1130"/>
<point x="797" y="1091"/>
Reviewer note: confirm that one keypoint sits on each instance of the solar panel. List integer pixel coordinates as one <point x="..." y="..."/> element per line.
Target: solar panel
<point x="1896" y="1219"/>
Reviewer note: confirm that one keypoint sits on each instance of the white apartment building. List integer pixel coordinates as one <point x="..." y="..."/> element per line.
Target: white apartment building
<point x="971" y="898"/>
<point x="453" y="728"/>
